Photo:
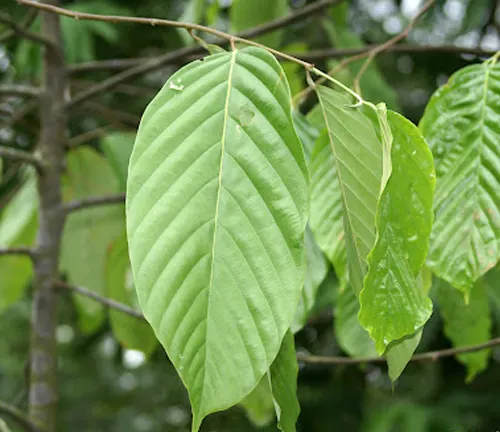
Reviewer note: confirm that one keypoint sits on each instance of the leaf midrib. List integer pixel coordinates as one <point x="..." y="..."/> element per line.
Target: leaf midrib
<point x="217" y="204"/>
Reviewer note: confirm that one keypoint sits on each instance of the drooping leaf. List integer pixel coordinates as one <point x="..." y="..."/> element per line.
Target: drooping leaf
<point x="216" y="212"/>
<point x="118" y="147"/>
<point x="357" y="152"/>
<point x="393" y="302"/>
<point x="283" y="383"/>
<point x="246" y="14"/>
<point x="129" y="331"/>
<point x="352" y="338"/>
<point x="466" y="324"/>
<point x="399" y="353"/>
<point x="461" y="124"/>
<point x="18" y="227"/>
<point x="276" y="393"/>
<point x="316" y="270"/>
<point x="89" y="232"/>
<point x="326" y="213"/>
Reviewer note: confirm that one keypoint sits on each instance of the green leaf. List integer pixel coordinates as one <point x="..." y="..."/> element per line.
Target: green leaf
<point x="399" y="353"/>
<point x="357" y="153"/>
<point x="466" y="324"/>
<point x="393" y="302"/>
<point x="216" y="212"/>
<point x="461" y="124"/>
<point x="352" y="338"/>
<point x="89" y="232"/>
<point x="246" y="14"/>
<point x="129" y="331"/>
<point x="326" y="214"/>
<point x="18" y="227"/>
<point x="117" y="147"/>
<point x="276" y="393"/>
<point x="283" y="383"/>
<point x="194" y="12"/>
<point x="316" y="270"/>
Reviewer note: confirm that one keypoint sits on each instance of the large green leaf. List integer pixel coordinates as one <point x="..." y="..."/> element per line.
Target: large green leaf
<point x="352" y="338"/>
<point x="129" y="331"/>
<point x="246" y="14"/>
<point x="316" y="271"/>
<point x="216" y="213"/>
<point x="357" y="152"/>
<point x="466" y="324"/>
<point x="89" y="232"/>
<point x="393" y="302"/>
<point x="18" y="226"/>
<point x="462" y="125"/>
<point x="117" y="147"/>
<point x="326" y="214"/>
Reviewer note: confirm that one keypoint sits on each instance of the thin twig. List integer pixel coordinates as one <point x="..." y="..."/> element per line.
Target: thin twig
<point x="427" y="356"/>
<point x="18" y="250"/>
<point x="373" y="53"/>
<point x="309" y="56"/>
<point x="370" y="52"/>
<point x="23" y="32"/>
<point x="20" y="155"/>
<point x="28" y="20"/>
<point x="19" y="417"/>
<point x="87" y="136"/>
<point x="19" y="90"/>
<point x="101" y="299"/>
<point x="94" y="202"/>
<point x="175" y="56"/>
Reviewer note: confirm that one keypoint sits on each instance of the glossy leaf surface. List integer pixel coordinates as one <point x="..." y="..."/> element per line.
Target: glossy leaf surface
<point x="393" y="303"/>
<point x="462" y="125"/>
<point x="216" y="212"/>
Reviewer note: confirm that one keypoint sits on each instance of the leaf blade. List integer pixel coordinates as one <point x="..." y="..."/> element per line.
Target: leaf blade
<point x="261" y="215"/>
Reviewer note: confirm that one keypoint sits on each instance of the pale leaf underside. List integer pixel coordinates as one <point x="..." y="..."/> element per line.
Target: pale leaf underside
<point x="216" y="211"/>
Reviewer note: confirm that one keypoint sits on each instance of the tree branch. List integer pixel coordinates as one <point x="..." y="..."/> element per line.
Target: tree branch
<point x="17" y="250"/>
<point x="18" y="90"/>
<point x="309" y="56"/>
<point x="94" y="202"/>
<point x="28" y="20"/>
<point x="43" y="391"/>
<point x="100" y="299"/>
<point x="175" y="56"/>
<point x="19" y="417"/>
<point x="427" y="356"/>
<point x="20" y="155"/>
<point x="23" y="32"/>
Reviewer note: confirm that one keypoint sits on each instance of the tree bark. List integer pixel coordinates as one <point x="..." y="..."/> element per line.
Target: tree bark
<point x="43" y="395"/>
